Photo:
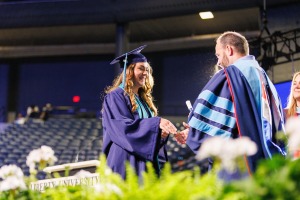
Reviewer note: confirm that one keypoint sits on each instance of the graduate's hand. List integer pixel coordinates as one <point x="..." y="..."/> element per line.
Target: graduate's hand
<point x="166" y="126"/>
<point x="164" y="134"/>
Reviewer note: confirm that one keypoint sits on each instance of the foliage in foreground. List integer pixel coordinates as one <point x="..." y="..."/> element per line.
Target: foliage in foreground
<point x="274" y="179"/>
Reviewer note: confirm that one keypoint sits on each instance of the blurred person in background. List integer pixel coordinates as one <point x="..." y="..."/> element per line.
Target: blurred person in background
<point x="293" y="104"/>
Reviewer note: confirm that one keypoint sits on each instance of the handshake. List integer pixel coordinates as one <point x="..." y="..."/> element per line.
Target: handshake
<point x="168" y="128"/>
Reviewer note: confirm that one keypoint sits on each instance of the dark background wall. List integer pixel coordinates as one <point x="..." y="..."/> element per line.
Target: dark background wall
<point x="179" y="75"/>
<point x="51" y="55"/>
<point x="58" y="82"/>
<point x="3" y="91"/>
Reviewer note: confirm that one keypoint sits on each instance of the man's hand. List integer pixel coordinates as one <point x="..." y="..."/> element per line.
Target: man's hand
<point x="182" y="135"/>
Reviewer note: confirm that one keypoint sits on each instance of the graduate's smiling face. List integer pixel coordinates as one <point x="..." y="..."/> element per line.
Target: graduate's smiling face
<point x="140" y="73"/>
<point x="296" y="87"/>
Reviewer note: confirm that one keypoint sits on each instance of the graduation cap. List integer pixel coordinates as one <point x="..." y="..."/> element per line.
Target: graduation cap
<point x="128" y="58"/>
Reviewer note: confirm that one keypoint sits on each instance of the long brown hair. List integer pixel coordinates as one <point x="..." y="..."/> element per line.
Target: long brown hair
<point x="144" y="92"/>
<point x="292" y="102"/>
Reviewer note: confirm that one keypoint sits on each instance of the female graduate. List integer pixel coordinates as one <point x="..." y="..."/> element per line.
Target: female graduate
<point x="132" y="131"/>
<point x="293" y="106"/>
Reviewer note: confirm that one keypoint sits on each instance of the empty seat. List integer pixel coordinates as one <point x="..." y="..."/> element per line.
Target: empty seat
<point x="67" y="137"/>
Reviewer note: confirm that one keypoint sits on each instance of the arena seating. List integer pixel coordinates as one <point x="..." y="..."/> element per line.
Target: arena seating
<point x="72" y="139"/>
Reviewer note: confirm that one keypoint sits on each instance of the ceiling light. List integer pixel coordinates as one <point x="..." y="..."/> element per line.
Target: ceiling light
<point x="206" y="15"/>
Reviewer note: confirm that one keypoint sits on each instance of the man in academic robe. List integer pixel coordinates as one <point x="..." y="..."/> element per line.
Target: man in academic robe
<point x="239" y="100"/>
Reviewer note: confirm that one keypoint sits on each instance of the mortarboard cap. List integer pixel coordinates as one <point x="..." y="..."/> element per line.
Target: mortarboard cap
<point x="128" y="58"/>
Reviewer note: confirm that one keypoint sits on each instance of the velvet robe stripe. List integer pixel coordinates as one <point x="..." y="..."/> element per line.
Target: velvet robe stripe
<point x="247" y="83"/>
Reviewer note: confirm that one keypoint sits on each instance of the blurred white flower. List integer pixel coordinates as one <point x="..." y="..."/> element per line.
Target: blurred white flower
<point x="47" y="154"/>
<point x="227" y="149"/>
<point x="229" y="164"/>
<point x="294" y="142"/>
<point x="12" y="183"/>
<point x="11" y="170"/>
<point x="108" y="171"/>
<point x="292" y="126"/>
<point x="44" y="154"/>
<point x="33" y="157"/>
<point x="245" y="146"/>
<point x="83" y="174"/>
<point x="108" y="187"/>
<point x="206" y="149"/>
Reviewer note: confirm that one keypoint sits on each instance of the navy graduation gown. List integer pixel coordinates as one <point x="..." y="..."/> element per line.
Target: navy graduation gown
<point x="127" y="137"/>
<point x="234" y="104"/>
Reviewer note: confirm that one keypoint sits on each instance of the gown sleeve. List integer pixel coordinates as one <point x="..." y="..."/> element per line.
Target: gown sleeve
<point x="140" y="137"/>
<point x="212" y="114"/>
